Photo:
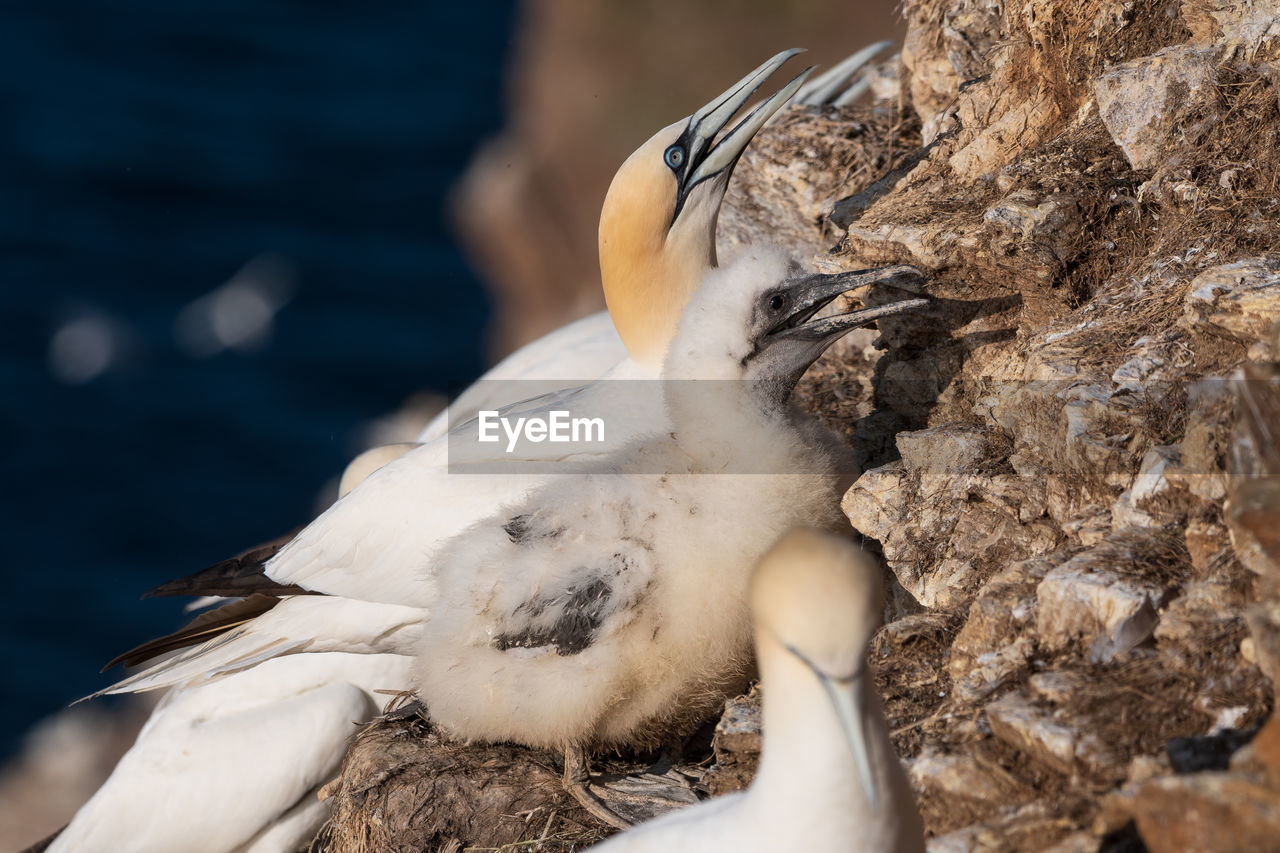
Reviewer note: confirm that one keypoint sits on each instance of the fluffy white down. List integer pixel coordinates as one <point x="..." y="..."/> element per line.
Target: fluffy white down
<point x="675" y="635"/>
<point x="661" y="545"/>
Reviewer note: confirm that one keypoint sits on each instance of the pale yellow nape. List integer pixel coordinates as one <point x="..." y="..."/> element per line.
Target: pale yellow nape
<point x="648" y="267"/>
<point x="808" y="566"/>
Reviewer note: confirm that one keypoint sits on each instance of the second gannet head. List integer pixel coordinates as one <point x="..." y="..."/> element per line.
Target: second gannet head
<point x="359" y="469"/>
<point x="817" y="600"/>
<point x="658" y="224"/>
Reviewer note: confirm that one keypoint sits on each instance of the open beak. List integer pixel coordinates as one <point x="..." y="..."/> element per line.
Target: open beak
<point x="706" y="160"/>
<point x="785" y="351"/>
<point x="846" y="698"/>
<point x="814" y="292"/>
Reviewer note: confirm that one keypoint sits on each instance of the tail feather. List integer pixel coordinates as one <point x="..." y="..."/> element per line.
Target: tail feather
<point x="207" y="625"/>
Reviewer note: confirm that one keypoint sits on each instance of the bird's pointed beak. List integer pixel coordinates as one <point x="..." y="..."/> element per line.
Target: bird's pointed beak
<point x="812" y="293"/>
<point x="831" y="87"/>
<point x="846" y="697"/>
<point x="711" y="119"/>
<point x="785" y="350"/>
<point x="708" y="158"/>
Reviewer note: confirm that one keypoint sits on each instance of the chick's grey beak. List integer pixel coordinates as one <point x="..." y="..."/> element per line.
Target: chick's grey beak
<point x="812" y="293"/>
<point x="784" y="351"/>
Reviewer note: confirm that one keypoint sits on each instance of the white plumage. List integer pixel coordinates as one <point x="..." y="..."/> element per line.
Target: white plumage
<point x="226" y="726"/>
<point x="579" y="352"/>
<point x="609" y="608"/>
<point x="829" y="778"/>
<point x="216" y="765"/>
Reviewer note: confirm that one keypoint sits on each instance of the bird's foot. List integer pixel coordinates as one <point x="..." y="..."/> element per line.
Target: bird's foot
<point x="625" y="800"/>
<point x="577" y="781"/>
<point x="404" y="705"/>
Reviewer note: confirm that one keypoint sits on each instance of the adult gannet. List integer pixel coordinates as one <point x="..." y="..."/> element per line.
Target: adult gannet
<point x="592" y="346"/>
<point x="208" y="710"/>
<point x="829" y="777"/>
<point x="363" y="551"/>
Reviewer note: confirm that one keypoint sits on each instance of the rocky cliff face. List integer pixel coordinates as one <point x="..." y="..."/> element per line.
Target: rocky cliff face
<point x="1070" y="459"/>
<point x="1097" y="204"/>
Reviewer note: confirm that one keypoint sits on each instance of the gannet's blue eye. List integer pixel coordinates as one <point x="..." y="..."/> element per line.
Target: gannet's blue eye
<point x="674" y="157"/>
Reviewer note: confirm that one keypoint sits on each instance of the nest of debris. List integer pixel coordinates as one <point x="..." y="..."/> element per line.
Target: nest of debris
<point x="404" y="787"/>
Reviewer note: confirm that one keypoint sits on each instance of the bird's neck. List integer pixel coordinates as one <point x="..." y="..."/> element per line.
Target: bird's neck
<point x="807" y="771"/>
<point x="647" y="281"/>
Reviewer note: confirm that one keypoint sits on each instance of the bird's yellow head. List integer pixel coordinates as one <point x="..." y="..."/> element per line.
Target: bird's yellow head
<point x="819" y="597"/>
<point x="658" y="223"/>
<point x="816" y="599"/>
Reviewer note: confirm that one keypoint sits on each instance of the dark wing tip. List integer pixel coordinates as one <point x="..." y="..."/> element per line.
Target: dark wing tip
<point x="205" y="626"/>
<point x="239" y="576"/>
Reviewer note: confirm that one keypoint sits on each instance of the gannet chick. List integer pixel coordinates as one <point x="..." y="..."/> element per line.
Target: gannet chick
<point x="609" y="608"/>
<point x="829" y="777"/>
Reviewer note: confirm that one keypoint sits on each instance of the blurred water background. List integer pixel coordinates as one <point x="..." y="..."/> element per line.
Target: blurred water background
<point x="222" y="251"/>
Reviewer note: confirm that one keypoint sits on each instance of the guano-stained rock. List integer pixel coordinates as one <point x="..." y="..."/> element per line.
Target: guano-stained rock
<point x="1081" y="602"/>
<point x="1144" y="102"/>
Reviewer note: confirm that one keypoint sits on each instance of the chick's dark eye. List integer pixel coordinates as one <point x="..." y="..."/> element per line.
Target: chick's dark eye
<point x="776" y="303"/>
<point x="674" y="157"/>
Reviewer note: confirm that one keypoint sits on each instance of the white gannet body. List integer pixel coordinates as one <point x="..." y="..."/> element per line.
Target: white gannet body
<point x="219" y="768"/>
<point x="364" y="550"/>
<point x="829" y="778"/>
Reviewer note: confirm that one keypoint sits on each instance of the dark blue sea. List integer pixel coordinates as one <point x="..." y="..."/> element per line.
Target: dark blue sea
<point x="167" y="170"/>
